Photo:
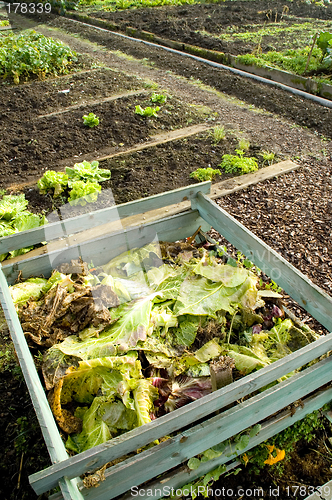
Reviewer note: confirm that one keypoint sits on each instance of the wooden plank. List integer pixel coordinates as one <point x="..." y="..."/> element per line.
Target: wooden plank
<point x="74" y="225"/>
<point x="241" y="182"/>
<point x="218" y="190"/>
<point x="150" y="463"/>
<point x="154" y="140"/>
<point x="44" y="414"/>
<point x="297" y="285"/>
<point x="323" y="492"/>
<point x="84" y="104"/>
<point x="102" y="249"/>
<point x="181" y="476"/>
<point x="95" y="458"/>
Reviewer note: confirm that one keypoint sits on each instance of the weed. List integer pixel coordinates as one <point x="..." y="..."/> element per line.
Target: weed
<point x="90" y="120"/>
<point x="244" y="144"/>
<point x="204" y="174"/>
<point x="268" y="156"/>
<point x="217" y="133"/>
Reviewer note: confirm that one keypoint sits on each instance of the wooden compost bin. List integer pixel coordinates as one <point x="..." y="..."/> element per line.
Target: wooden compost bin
<point x="203" y="423"/>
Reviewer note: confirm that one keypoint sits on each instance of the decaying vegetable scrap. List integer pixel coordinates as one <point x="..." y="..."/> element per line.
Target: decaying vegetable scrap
<point x="139" y="337"/>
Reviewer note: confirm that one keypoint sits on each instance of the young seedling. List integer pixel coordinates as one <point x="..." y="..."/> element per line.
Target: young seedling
<point x="148" y="111"/>
<point x="238" y="163"/>
<point x="161" y="98"/>
<point x="204" y="174"/>
<point x="268" y="156"/>
<point x="244" y="144"/>
<point x="90" y="120"/>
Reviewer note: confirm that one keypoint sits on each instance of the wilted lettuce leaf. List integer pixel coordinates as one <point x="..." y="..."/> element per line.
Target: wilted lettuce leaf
<point x="230" y="276"/>
<point x="200" y="297"/>
<point x="208" y="351"/>
<point x="144" y="395"/>
<point x="157" y="275"/>
<point x="245" y="364"/>
<point x="107" y="414"/>
<point x="95" y="431"/>
<point x="118" y="417"/>
<point x="185" y="334"/>
<point x="55" y="366"/>
<point x="31" y="288"/>
<point x="133" y="261"/>
<point x="162" y="317"/>
<point x="170" y="287"/>
<point x="133" y="325"/>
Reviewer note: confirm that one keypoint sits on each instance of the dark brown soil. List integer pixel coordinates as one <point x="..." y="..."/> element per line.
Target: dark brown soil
<point x="181" y="23"/>
<point x="34" y="144"/>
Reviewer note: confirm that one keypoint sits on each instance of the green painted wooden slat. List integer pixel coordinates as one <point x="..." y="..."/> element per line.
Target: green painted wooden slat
<point x="297" y="285"/>
<point x="150" y="463"/>
<point x="45" y="417"/>
<point x="137" y="438"/>
<point x="101" y="250"/>
<point x="74" y="225"/>
<point x="323" y="492"/>
<point x="181" y="476"/>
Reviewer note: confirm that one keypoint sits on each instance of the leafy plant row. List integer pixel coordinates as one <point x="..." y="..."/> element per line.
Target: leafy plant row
<point x="31" y="53"/>
<point x="313" y="59"/>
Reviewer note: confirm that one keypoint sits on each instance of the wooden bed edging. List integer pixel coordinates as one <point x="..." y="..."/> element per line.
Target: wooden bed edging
<point x="181" y="476"/>
<point x="74" y="225"/>
<point x="297" y="285"/>
<point x="95" y="458"/>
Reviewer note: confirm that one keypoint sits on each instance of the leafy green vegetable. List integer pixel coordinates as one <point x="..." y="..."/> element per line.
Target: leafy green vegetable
<point x="30" y="53"/>
<point x="161" y="98"/>
<point x="144" y="395"/>
<point x="86" y="171"/>
<point x="205" y="174"/>
<point x="148" y="111"/>
<point x="90" y="120"/>
<point x="83" y="192"/>
<point x="31" y="288"/>
<point x="53" y="180"/>
<point x="238" y="163"/>
<point x="14" y="218"/>
<point x="26" y="220"/>
<point x="324" y="42"/>
<point x="11" y="205"/>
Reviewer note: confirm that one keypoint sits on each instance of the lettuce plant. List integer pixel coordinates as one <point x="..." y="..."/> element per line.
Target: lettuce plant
<point x="148" y="111"/>
<point x="83" y="192"/>
<point x="15" y="218"/>
<point x="238" y="163"/>
<point x="161" y="98"/>
<point x="205" y="174"/>
<point x="57" y="181"/>
<point x="86" y="171"/>
<point x="90" y="120"/>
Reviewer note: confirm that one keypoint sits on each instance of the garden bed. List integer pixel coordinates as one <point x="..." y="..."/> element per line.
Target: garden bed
<point x="269" y="132"/>
<point x="233" y="29"/>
